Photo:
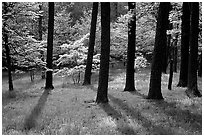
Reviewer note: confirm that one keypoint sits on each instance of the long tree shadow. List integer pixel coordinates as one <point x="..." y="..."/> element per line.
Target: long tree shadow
<point x="125" y="130"/>
<point x="136" y="114"/>
<point x="180" y="116"/>
<point x="21" y="92"/>
<point x="31" y="120"/>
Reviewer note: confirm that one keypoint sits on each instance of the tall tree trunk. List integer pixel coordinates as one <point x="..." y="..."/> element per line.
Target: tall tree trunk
<point x="200" y="65"/>
<point x="8" y="58"/>
<point x="156" y="68"/>
<point x="6" y="44"/>
<point x="87" y="76"/>
<point x="49" y="84"/>
<point x="102" y="94"/>
<point x="175" y="52"/>
<point x="168" y="56"/>
<point x="170" y="74"/>
<point x="185" y="30"/>
<point x="40" y="24"/>
<point x="130" y="82"/>
<point x="192" y="87"/>
<point x="164" y="42"/>
<point x="40" y="37"/>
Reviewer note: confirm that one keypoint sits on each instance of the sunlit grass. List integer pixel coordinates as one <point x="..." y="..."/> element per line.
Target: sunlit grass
<point x="70" y="109"/>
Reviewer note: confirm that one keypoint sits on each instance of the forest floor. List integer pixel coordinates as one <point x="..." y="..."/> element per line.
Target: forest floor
<point x="70" y="109"/>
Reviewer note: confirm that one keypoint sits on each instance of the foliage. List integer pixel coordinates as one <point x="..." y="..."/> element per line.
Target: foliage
<point x="140" y="62"/>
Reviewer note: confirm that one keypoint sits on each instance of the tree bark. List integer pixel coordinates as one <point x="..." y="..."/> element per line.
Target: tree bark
<point x="49" y="84"/>
<point x="157" y="62"/>
<point x="175" y="52"/>
<point x="170" y="74"/>
<point x="192" y="87"/>
<point x="102" y="94"/>
<point x="40" y="38"/>
<point x="130" y="82"/>
<point x="164" y="47"/>
<point x="6" y="44"/>
<point x="185" y="30"/>
<point x="87" y="76"/>
<point x="200" y="65"/>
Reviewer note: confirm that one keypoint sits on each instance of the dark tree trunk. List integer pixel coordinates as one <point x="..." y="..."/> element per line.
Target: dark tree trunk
<point x="8" y="58"/>
<point x="40" y="24"/>
<point x="49" y="84"/>
<point x="130" y="82"/>
<point x="168" y="49"/>
<point x="170" y="74"/>
<point x="175" y="52"/>
<point x="200" y="65"/>
<point x="6" y="44"/>
<point x="102" y="94"/>
<point x="87" y="76"/>
<point x="192" y="87"/>
<point x="185" y="30"/>
<point x="40" y="37"/>
<point x="164" y="42"/>
<point x="157" y="62"/>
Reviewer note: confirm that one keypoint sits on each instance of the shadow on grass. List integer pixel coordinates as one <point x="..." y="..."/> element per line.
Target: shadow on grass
<point x="125" y="130"/>
<point x="136" y="114"/>
<point x="180" y="116"/>
<point x="138" y="94"/>
<point x="31" y="120"/>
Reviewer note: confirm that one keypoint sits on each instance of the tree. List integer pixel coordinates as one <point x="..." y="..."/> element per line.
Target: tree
<point x="130" y="82"/>
<point x="156" y="68"/>
<point x="175" y="50"/>
<point x="192" y="88"/>
<point x="102" y="93"/>
<point x="40" y="35"/>
<point x="6" y="44"/>
<point x="185" y="30"/>
<point x="50" y="46"/>
<point x="87" y="76"/>
<point x="167" y="25"/>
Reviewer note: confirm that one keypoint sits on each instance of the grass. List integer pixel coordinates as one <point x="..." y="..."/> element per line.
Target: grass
<point x="70" y="109"/>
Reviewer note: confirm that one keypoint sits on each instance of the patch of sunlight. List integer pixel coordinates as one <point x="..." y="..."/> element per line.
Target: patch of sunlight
<point x="107" y="121"/>
<point x="134" y="124"/>
<point x="186" y="101"/>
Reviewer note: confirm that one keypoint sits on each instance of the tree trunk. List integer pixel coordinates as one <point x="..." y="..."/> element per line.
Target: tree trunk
<point x="168" y="49"/>
<point x="102" y="94"/>
<point x="50" y="46"/>
<point x="40" y="24"/>
<point x="87" y="76"/>
<point x="8" y="58"/>
<point x="40" y="38"/>
<point x="130" y="82"/>
<point x="185" y="30"/>
<point x="164" y="42"/>
<point x="175" y="51"/>
<point x="192" y="88"/>
<point x="200" y="65"/>
<point x="157" y="62"/>
<point x="170" y="74"/>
